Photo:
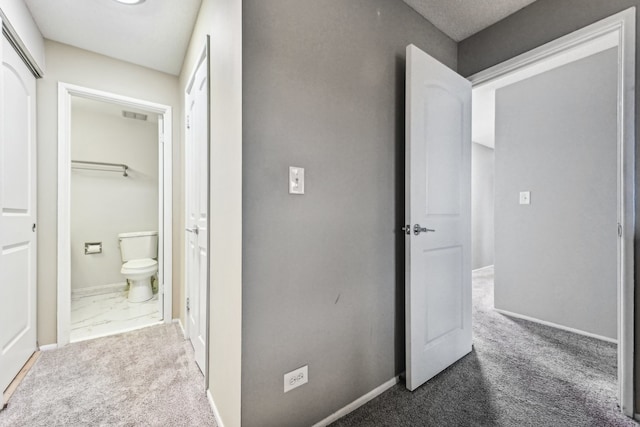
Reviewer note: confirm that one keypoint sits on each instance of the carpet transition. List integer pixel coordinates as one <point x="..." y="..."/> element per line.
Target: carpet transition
<point x="519" y="374"/>
<point x="146" y="377"/>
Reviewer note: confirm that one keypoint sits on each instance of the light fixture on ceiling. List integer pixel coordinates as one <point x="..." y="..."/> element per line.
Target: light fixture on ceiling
<point x="130" y="2"/>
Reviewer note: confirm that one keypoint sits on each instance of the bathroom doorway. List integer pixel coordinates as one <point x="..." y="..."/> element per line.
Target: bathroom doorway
<point x="114" y="219"/>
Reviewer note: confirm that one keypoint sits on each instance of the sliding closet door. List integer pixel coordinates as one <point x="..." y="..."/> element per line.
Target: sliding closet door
<point x="17" y="214"/>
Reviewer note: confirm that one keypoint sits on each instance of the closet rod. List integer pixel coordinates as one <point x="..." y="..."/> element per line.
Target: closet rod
<point x="117" y="165"/>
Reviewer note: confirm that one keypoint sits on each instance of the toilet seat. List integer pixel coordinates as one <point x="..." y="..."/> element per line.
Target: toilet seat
<point x="140" y="266"/>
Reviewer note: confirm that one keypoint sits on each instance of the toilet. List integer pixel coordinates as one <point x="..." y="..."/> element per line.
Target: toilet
<point x="138" y="250"/>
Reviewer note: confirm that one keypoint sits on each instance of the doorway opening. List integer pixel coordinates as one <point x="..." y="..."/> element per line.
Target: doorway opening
<point x="602" y="197"/>
<point x="114" y="214"/>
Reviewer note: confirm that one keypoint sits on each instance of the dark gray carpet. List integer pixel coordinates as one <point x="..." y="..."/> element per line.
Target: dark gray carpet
<point x="142" y="378"/>
<point x="519" y="374"/>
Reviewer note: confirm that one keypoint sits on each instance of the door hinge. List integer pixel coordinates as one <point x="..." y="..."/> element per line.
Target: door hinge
<point x="188" y="123"/>
<point x="619" y="230"/>
<point x="188" y="308"/>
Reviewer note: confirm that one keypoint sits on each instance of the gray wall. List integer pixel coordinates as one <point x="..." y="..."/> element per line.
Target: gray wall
<point x="324" y="89"/>
<point x="482" y="232"/>
<point x="556" y="137"/>
<point x="536" y="24"/>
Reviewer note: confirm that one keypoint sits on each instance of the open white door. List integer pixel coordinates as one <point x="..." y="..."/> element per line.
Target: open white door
<point x="17" y="214"/>
<point x="438" y="217"/>
<point x="197" y="201"/>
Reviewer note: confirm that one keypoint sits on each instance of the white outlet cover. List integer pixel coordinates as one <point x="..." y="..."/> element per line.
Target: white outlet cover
<point x="525" y="197"/>
<point x="296" y="378"/>
<point x="296" y="180"/>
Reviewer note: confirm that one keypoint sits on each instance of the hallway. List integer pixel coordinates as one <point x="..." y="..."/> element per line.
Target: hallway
<point x="519" y="373"/>
<point x="145" y="377"/>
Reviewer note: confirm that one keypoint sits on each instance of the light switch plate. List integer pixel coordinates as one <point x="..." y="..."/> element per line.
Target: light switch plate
<point x="296" y="180"/>
<point x="525" y="197"/>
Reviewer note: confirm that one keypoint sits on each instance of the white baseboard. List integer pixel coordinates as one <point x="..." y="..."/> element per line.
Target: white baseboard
<point x="483" y="268"/>
<point x="48" y="347"/>
<point x="555" y="325"/>
<point x="99" y="290"/>
<point x="179" y="322"/>
<point x="358" y="402"/>
<point x="214" y="408"/>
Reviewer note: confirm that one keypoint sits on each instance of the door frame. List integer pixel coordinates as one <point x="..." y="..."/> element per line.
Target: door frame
<point x="202" y="58"/>
<point x="618" y="29"/>
<point x="165" y="178"/>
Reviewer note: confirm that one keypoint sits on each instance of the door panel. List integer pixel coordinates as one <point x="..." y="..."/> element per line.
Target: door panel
<point x="197" y="200"/>
<point x="17" y="215"/>
<point x="438" y="197"/>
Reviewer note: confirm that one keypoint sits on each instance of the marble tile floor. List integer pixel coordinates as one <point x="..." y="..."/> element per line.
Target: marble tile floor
<point x="95" y="316"/>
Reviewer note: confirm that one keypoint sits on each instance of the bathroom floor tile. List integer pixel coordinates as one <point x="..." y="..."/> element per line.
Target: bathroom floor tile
<point x="96" y="316"/>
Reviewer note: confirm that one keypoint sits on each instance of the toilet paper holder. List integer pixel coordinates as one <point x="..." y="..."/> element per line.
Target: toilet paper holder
<point x="91" y="248"/>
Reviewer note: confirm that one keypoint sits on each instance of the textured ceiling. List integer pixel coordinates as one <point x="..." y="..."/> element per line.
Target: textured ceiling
<point x="461" y="18"/>
<point x="154" y="34"/>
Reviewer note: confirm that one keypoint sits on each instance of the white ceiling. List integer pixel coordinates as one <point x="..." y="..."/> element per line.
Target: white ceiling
<point x="461" y="18"/>
<point x="154" y="34"/>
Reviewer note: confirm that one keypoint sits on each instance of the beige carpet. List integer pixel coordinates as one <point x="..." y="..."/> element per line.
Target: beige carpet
<point x="142" y="378"/>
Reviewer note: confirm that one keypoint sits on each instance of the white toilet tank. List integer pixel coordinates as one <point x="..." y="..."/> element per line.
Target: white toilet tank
<point x="138" y="245"/>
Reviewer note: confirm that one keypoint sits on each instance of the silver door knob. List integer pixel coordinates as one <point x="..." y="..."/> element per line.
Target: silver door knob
<point x="406" y="228"/>
<point x="417" y="229"/>
<point x="193" y="230"/>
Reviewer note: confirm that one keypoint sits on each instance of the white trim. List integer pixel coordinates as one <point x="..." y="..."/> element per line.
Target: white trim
<point x="214" y="408"/>
<point x="358" y="402"/>
<point x="623" y="25"/>
<point x="48" y="347"/>
<point x="65" y="92"/>
<point x="483" y="268"/>
<point x="179" y="322"/>
<point x="556" y="325"/>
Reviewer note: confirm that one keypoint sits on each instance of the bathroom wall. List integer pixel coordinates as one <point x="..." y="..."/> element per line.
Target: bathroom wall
<point x="76" y="66"/>
<point x="104" y="204"/>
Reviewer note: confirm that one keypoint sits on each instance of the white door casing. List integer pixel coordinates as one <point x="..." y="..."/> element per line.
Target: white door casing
<point x="17" y="214"/>
<point x="197" y="205"/>
<point x="438" y="197"/>
<point x="161" y="207"/>
<point x="165" y="241"/>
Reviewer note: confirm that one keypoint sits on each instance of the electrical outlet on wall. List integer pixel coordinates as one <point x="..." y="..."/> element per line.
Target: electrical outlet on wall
<point x="525" y="197"/>
<point x="296" y="378"/>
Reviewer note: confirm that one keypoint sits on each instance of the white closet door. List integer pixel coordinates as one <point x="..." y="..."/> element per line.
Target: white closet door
<point x="197" y="200"/>
<point x="17" y="214"/>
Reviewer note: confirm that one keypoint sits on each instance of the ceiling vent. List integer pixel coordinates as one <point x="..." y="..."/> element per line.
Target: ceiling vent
<point x="132" y="115"/>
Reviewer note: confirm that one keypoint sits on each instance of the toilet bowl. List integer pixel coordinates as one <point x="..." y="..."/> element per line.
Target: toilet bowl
<point x="139" y="273"/>
<point x="138" y="250"/>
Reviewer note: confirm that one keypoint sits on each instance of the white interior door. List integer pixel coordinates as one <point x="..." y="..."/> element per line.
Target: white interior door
<point x="438" y="217"/>
<point x="17" y="214"/>
<point x="197" y="200"/>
